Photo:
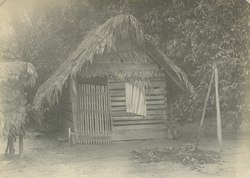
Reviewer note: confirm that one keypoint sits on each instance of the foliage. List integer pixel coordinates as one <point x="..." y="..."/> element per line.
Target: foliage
<point x="12" y="112"/>
<point x="45" y="35"/>
<point x="194" y="34"/>
<point x="186" y="155"/>
<point x="14" y="78"/>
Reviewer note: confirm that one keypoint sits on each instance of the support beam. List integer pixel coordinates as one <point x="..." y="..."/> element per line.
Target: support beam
<point x="204" y="108"/>
<point x="218" y="115"/>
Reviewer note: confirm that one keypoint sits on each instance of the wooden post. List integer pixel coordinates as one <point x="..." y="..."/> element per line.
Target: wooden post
<point x="204" y="108"/>
<point x="69" y="137"/>
<point x="10" y="146"/>
<point x="73" y="96"/>
<point x="21" y="146"/>
<point x="218" y="116"/>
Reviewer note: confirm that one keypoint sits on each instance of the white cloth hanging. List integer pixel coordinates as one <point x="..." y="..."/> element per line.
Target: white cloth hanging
<point x="135" y="99"/>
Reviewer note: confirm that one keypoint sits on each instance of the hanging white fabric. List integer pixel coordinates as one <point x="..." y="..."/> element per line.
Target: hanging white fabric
<point x="135" y="99"/>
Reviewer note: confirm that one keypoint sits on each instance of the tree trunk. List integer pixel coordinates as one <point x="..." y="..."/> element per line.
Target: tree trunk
<point x="10" y="146"/>
<point x="21" y="146"/>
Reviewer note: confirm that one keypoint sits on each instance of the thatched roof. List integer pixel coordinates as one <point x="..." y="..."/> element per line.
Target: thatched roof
<point x="105" y="46"/>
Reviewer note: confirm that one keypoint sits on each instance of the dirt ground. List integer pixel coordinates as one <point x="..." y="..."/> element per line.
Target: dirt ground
<point x="46" y="157"/>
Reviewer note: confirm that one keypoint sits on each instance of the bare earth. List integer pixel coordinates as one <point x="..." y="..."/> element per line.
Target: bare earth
<point x="46" y="157"/>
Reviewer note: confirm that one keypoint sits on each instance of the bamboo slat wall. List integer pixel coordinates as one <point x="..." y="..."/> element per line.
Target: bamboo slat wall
<point x="93" y="120"/>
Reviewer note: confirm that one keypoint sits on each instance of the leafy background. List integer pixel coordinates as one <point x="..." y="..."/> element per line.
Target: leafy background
<point x="195" y="34"/>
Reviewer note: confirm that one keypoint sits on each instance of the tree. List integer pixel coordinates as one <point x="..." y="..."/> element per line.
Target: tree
<point x="45" y="34"/>
<point x="195" y="35"/>
<point x="14" y="79"/>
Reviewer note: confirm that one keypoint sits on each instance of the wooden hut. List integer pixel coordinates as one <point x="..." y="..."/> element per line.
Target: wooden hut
<point x="113" y="86"/>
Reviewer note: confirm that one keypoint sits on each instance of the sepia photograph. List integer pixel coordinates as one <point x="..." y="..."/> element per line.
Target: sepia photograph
<point x="124" y="88"/>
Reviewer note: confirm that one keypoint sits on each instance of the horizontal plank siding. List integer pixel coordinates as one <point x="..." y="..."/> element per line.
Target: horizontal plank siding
<point x="138" y="122"/>
<point x="129" y="126"/>
<point x="137" y="132"/>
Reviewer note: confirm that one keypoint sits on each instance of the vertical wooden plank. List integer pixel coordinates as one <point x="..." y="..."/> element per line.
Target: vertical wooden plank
<point x="93" y="112"/>
<point x="81" y="105"/>
<point x="96" y="118"/>
<point x="103" y="110"/>
<point x="107" y="112"/>
<point x="80" y="109"/>
<point x="87" y="113"/>
<point x="109" y="106"/>
<point x="79" y="112"/>
<point x="82" y="113"/>
<point x="102" y="105"/>
<point x="85" y="108"/>
<point x="96" y="114"/>
<point x="218" y="116"/>
<point x="101" y="114"/>
<point x="165" y="98"/>
<point x="91" y="118"/>
<point x="90" y="113"/>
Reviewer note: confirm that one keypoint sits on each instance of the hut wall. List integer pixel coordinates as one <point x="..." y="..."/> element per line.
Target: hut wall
<point x="127" y="126"/>
<point x="66" y="110"/>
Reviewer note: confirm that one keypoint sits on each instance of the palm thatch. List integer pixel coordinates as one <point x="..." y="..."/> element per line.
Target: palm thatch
<point x="103" y="53"/>
<point x="10" y="71"/>
<point x="14" y="77"/>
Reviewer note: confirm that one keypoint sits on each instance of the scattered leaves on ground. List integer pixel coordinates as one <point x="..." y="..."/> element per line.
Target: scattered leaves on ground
<point x="187" y="155"/>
